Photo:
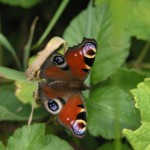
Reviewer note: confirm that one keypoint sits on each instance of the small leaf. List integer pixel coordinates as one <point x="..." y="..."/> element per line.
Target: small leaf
<point x="140" y="138"/>
<point x="110" y="109"/>
<point x="25" y="92"/>
<point x="24" y="3"/>
<point x="12" y="74"/>
<point x="33" y="137"/>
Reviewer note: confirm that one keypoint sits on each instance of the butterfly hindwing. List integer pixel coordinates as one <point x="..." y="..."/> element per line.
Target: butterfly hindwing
<point x="51" y="99"/>
<point x="68" y="105"/>
<point x="73" y="115"/>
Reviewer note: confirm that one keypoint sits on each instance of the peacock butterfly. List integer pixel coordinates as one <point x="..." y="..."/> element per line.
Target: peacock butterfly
<point x="60" y="91"/>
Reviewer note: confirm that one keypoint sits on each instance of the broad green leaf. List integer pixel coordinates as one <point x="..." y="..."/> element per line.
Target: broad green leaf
<point x="12" y="74"/>
<point x="121" y="83"/>
<point x="113" y="41"/>
<point x="114" y="146"/>
<point x="24" y="3"/>
<point x="25" y="92"/>
<point x="12" y="109"/>
<point x="138" y="21"/>
<point x="99" y="2"/>
<point x="111" y="109"/>
<point x="140" y="138"/>
<point x="2" y="147"/>
<point x="126" y="79"/>
<point x="52" y="142"/>
<point x="34" y="138"/>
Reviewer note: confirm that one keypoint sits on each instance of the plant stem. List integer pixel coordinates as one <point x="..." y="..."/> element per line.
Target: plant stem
<point x="28" y="45"/>
<point x="88" y="34"/>
<point x="17" y="60"/>
<point x="31" y="115"/>
<point x="145" y="65"/>
<point x="143" y="53"/>
<point x="1" y="52"/>
<point x="52" y="23"/>
<point x="89" y="21"/>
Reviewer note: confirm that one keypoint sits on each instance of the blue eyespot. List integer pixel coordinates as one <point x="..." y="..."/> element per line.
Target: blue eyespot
<point x="58" y="60"/>
<point x="52" y="105"/>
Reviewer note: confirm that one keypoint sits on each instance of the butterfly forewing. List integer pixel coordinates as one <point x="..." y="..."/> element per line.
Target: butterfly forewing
<point x="74" y="65"/>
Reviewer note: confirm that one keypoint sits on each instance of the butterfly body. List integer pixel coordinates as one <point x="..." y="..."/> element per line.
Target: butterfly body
<point x="68" y="85"/>
<point x="63" y="81"/>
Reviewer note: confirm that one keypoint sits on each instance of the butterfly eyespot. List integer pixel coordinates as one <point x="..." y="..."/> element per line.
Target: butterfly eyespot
<point x="54" y="106"/>
<point x="79" y="128"/>
<point x="58" y="60"/>
<point x="89" y="50"/>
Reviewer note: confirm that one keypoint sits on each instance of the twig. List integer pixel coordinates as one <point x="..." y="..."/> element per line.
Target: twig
<point x="28" y="45"/>
<point x="145" y="65"/>
<point x="31" y="115"/>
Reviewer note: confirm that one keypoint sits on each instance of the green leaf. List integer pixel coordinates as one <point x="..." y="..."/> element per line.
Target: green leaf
<point x="25" y="92"/>
<point x="100" y="2"/>
<point x="12" y="74"/>
<point x="140" y="138"/>
<point x="113" y="41"/>
<point x="138" y="21"/>
<point x="126" y="79"/>
<point x="33" y="137"/>
<point x="113" y="97"/>
<point x="12" y="109"/>
<point x="113" y="146"/>
<point x="136" y="16"/>
<point x="24" y="3"/>
<point x="2" y="147"/>
<point x="111" y="109"/>
<point x="8" y="46"/>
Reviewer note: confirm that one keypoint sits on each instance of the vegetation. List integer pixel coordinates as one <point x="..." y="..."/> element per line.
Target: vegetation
<point x="119" y="99"/>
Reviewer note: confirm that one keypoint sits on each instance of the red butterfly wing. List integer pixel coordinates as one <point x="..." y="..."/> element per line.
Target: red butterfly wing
<point x="80" y="58"/>
<point x="74" y="65"/>
<point x="67" y="104"/>
<point x="55" y="68"/>
<point x="73" y="115"/>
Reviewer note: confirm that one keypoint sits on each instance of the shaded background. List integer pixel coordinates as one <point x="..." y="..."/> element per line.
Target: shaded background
<point x="122" y="61"/>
